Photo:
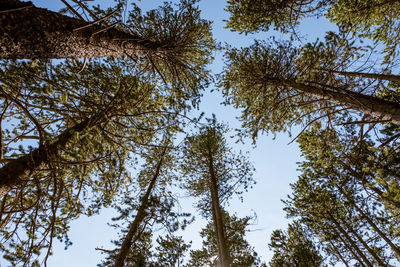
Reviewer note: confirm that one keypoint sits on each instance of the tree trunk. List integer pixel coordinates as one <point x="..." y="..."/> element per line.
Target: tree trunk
<point x="379" y="108"/>
<point x="353" y="244"/>
<point x="336" y="250"/>
<point x="370" y="250"/>
<point x="17" y="172"/>
<point x="349" y="248"/>
<point x="373" y="225"/>
<point x="217" y="215"/>
<point x="30" y="32"/>
<point x="140" y="215"/>
<point x="387" y="77"/>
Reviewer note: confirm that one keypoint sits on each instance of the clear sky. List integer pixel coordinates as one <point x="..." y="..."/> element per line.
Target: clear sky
<point x="274" y="160"/>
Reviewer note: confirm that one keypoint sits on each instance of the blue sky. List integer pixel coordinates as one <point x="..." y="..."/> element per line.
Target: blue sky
<point x="274" y="160"/>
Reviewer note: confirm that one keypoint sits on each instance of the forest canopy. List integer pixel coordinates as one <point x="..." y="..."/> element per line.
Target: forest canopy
<point x="103" y="106"/>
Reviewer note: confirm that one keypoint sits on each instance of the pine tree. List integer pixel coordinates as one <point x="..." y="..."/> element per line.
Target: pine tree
<point x="214" y="173"/>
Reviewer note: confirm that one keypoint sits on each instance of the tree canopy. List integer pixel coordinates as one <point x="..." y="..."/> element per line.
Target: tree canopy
<point x="100" y="109"/>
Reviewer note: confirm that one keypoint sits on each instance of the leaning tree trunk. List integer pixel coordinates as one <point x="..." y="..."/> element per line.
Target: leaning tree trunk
<point x="140" y="215"/>
<point x="338" y="254"/>
<point x="217" y="216"/>
<point x="30" y="32"/>
<point x="387" y="77"/>
<point x="361" y="240"/>
<point x="17" y="172"/>
<point x="349" y="248"/>
<point x="395" y="248"/>
<point x="379" y="108"/>
<point x="351" y="241"/>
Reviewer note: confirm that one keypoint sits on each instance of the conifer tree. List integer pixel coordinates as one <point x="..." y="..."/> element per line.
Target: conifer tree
<point x="214" y="173"/>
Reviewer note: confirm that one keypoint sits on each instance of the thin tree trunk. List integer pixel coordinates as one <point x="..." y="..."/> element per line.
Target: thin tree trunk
<point x="353" y="244"/>
<point x="17" y="172"/>
<point x="30" y="32"/>
<point x="336" y="250"/>
<point x="140" y="215"/>
<point x="217" y="215"/>
<point x="379" y="108"/>
<point x="373" y="225"/>
<point x="370" y="250"/>
<point x="387" y="77"/>
<point x="350" y="249"/>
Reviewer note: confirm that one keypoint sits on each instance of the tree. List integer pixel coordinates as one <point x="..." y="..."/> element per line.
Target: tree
<point x="214" y="173"/>
<point x="82" y="129"/>
<point x="31" y="32"/>
<point x="294" y="248"/>
<point x="155" y="206"/>
<point x="248" y="16"/>
<point x="170" y="251"/>
<point x="141" y="212"/>
<point x="334" y="201"/>
<point x="277" y="85"/>
<point x="375" y="19"/>
<point x="242" y="254"/>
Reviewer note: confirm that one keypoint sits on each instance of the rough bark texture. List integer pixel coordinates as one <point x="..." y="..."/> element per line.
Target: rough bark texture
<point x="353" y="244"/>
<point x="217" y="216"/>
<point x="379" y="108"/>
<point x="17" y="172"/>
<point x="140" y="215"/>
<point x="30" y="32"/>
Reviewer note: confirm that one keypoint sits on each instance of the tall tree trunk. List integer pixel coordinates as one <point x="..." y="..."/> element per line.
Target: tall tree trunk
<point x="30" y="32"/>
<point x="17" y="172"/>
<point x="349" y="248"/>
<point x="395" y="248"/>
<point x="336" y="250"/>
<point x="387" y="77"/>
<point x="140" y="215"/>
<point x="370" y="250"/>
<point x="217" y="215"/>
<point x="379" y="108"/>
<point x="351" y="241"/>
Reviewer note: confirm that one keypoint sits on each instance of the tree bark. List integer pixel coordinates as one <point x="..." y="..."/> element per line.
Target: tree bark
<point x="353" y="244"/>
<point x="140" y="215"/>
<point x="217" y="215"/>
<point x="373" y="225"/>
<point x="379" y="108"/>
<point x="387" y="77"/>
<point x="17" y="172"/>
<point x="28" y="32"/>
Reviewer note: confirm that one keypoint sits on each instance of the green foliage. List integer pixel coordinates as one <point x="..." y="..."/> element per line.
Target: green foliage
<point x="341" y="202"/>
<point x="294" y="248"/>
<point x="248" y="16"/>
<point x="377" y="20"/>
<point x="261" y="80"/>
<point x="127" y="104"/>
<point x="242" y="254"/>
<point x="233" y="171"/>
<point x="170" y="251"/>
